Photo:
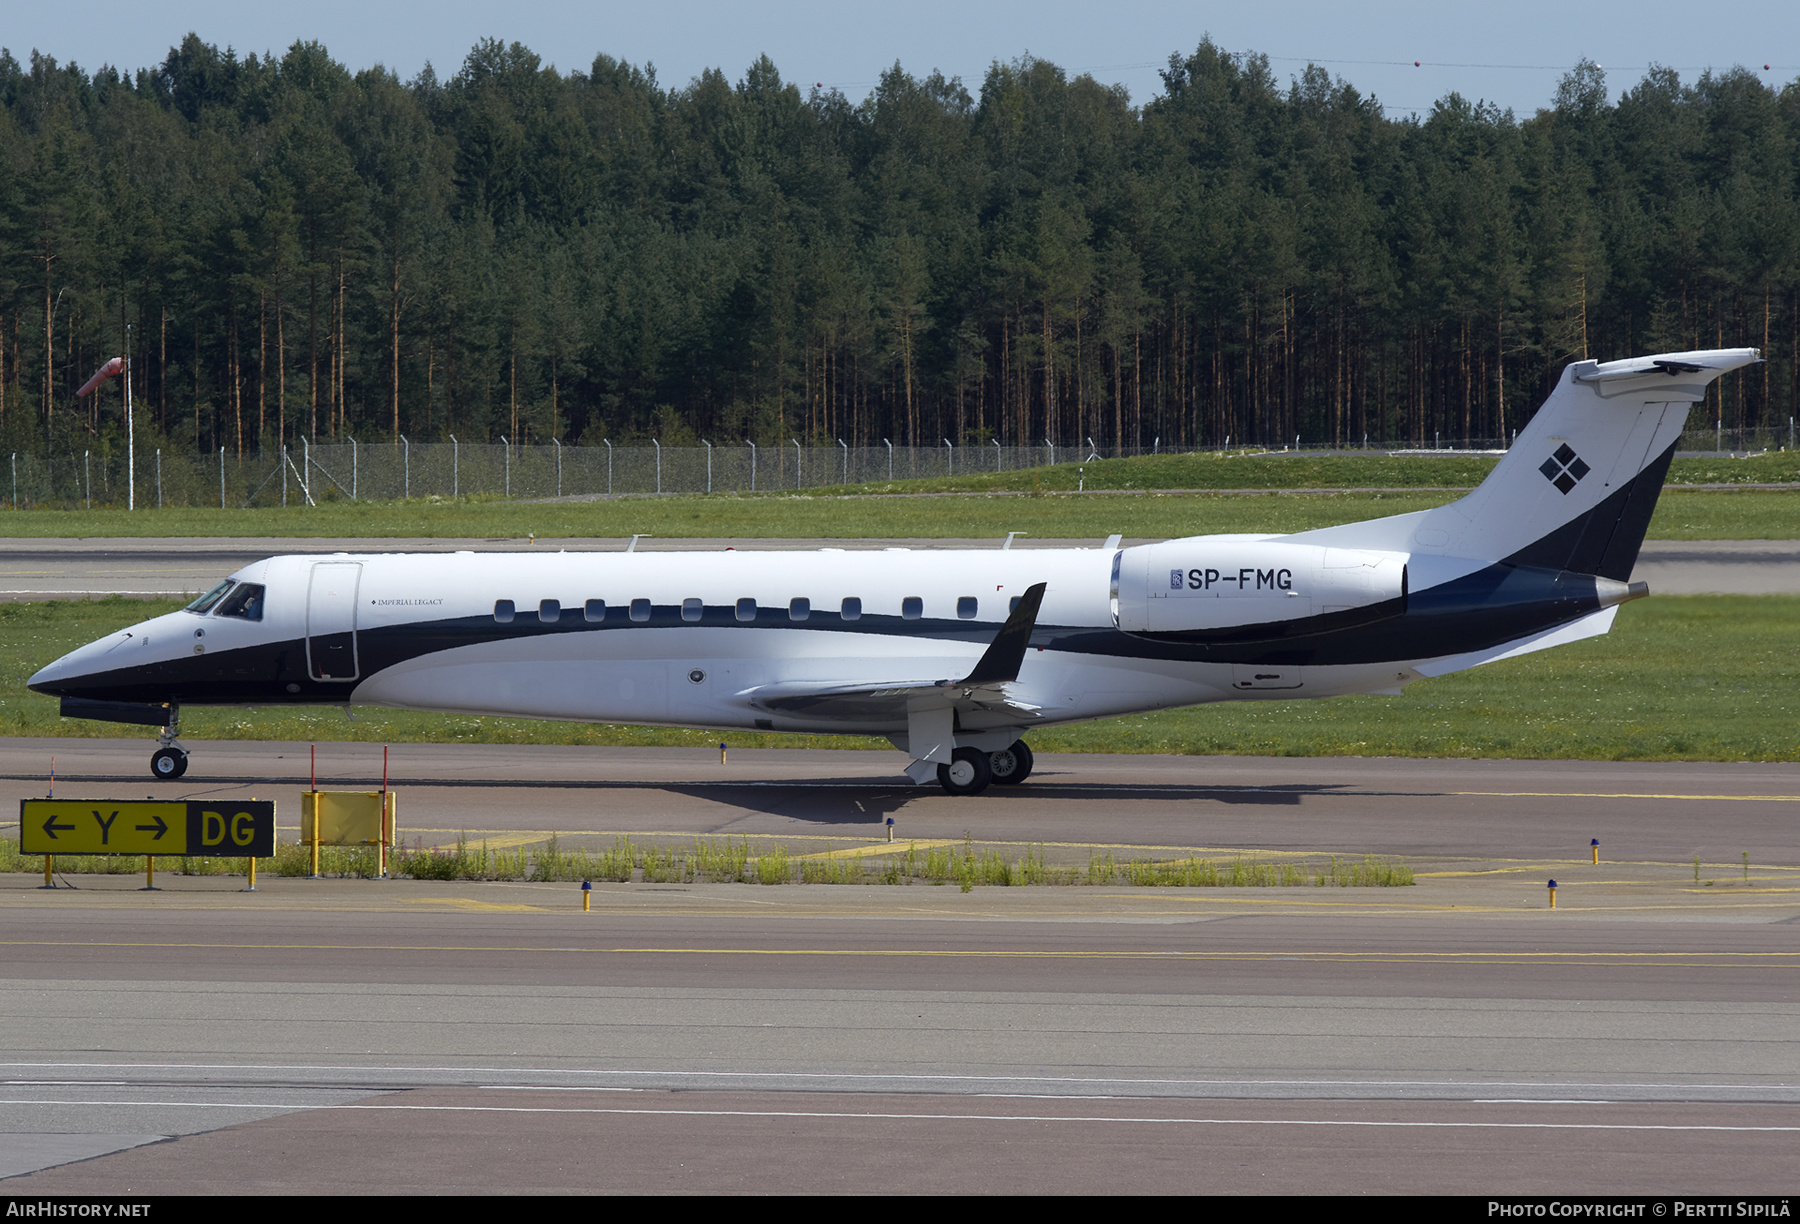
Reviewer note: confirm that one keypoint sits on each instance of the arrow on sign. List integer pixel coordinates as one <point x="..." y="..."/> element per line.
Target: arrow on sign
<point x="50" y="826"/>
<point x="159" y="826"/>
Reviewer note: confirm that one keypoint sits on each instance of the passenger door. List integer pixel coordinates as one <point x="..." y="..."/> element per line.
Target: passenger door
<point x="331" y="621"/>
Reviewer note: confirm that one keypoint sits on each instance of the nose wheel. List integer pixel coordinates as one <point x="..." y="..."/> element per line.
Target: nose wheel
<point x="168" y="764"/>
<point x="170" y="760"/>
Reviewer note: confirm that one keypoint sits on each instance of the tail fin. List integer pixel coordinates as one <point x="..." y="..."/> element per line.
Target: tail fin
<point x="1577" y="489"/>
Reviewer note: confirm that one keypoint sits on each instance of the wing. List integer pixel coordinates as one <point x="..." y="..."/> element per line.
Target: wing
<point x="898" y="703"/>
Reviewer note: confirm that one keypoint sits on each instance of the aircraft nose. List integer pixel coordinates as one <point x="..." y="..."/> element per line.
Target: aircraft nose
<point x="48" y="678"/>
<point x="54" y="679"/>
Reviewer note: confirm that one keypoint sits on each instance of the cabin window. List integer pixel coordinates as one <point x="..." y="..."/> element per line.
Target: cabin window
<point x="550" y="611"/>
<point x="210" y="598"/>
<point x="594" y="611"/>
<point x="245" y="603"/>
<point x="912" y="607"/>
<point x="746" y="609"/>
<point x="799" y="609"/>
<point x="692" y="609"/>
<point x="966" y="607"/>
<point x="503" y="611"/>
<point x="640" y="609"/>
<point x="852" y="608"/>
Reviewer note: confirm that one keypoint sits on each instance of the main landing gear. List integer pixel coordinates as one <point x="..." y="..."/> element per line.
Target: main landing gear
<point x="170" y="760"/>
<point x="970" y="770"/>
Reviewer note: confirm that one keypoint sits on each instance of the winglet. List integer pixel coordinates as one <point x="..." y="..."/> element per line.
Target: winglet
<point x="1001" y="661"/>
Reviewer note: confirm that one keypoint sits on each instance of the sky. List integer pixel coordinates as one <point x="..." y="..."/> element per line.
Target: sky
<point x="1510" y="53"/>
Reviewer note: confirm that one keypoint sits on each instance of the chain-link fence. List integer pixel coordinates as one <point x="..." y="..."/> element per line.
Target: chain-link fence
<point x="384" y="471"/>
<point x="1721" y="441"/>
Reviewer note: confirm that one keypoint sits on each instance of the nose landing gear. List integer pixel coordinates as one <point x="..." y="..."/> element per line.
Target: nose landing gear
<point x="170" y="760"/>
<point x="167" y="764"/>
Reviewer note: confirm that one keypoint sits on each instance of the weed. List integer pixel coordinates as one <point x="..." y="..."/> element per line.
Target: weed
<point x="666" y="866"/>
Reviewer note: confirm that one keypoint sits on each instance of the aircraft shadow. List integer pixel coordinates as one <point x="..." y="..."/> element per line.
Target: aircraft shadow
<point x="834" y="801"/>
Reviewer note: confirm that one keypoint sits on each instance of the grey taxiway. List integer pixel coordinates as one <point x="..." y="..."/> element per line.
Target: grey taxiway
<point x="1457" y="1035"/>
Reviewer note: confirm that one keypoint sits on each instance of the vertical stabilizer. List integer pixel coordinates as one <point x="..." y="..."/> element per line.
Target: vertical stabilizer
<point x="1577" y="489"/>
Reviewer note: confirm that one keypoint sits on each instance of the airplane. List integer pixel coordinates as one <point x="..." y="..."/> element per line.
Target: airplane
<point x="955" y="655"/>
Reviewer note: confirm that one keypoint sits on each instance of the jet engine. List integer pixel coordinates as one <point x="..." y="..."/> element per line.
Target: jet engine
<point x="1214" y="588"/>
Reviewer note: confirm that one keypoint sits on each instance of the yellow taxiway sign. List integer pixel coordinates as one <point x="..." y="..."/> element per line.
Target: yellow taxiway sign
<point x="106" y="826"/>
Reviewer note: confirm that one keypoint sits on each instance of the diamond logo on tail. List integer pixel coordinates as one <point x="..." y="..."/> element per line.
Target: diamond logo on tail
<point x="1564" y="469"/>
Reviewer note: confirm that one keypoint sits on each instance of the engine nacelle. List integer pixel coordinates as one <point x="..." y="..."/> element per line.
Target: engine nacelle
<point x="1213" y="587"/>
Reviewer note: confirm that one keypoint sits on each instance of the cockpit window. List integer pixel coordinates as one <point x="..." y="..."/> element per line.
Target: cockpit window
<point x="210" y="598"/>
<point x="245" y="603"/>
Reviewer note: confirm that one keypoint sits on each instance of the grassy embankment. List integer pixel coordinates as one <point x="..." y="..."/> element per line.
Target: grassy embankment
<point x="1134" y="498"/>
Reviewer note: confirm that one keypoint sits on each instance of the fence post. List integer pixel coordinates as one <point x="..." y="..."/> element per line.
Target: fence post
<point x="1052" y="447"/>
<point x="1719" y="434"/>
<point x="797" y="480"/>
<point x="405" y="467"/>
<point x="15" y="467"/>
<point x="352" y="469"/>
<point x="87" y="480"/>
<point x="658" y="446"/>
<point x="752" y="465"/>
<point x="890" y="447"/>
<point x="221" y="478"/>
<point x="996" y="442"/>
<point x="840" y="442"/>
<point x="159" y="478"/>
<point x="130" y="432"/>
<point x="708" y="446"/>
<point x="455" y="467"/>
<point x="608" y="467"/>
<point x="284" y="467"/>
<point x="506" y="447"/>
<point x="558" y="465"/>
<point x="949" y="458"/>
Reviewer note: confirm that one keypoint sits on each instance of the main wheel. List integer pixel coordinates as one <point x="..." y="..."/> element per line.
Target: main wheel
<point x="168" y="764"/>
<point x="966" y="774"/>
<point x="1011" y="766"/>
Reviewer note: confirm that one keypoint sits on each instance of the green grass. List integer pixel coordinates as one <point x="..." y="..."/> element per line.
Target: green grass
<point x="977" y="511"/>
<point x="1703" y="677"/>
<point x="724" y="861"/>
<point x="1752" y="514"/>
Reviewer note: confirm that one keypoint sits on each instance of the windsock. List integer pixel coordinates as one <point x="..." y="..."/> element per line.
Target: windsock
<point x="101" y="375"/>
